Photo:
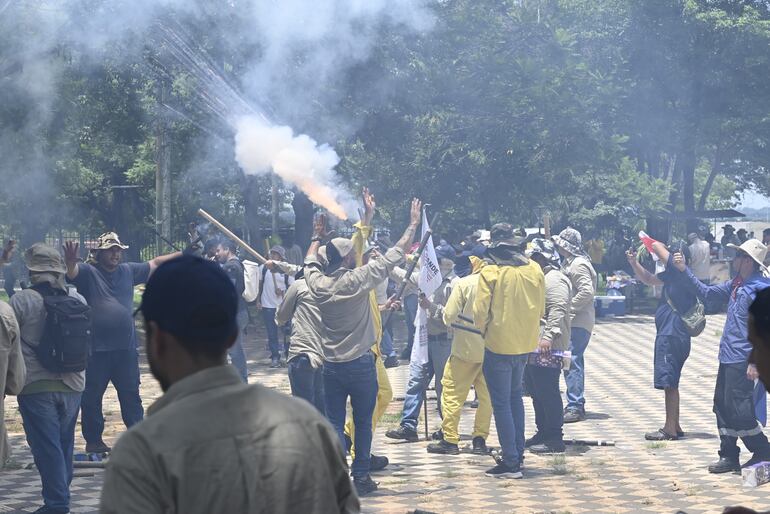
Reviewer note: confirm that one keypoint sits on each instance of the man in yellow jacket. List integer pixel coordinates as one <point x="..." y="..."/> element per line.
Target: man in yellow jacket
<point x="509" y="304"/>
<point x="464" y="365"/>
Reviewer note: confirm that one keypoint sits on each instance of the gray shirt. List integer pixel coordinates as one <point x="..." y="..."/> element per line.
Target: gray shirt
<point x="214" y="444"/>
<point x="582" y="276"/>
<point x="343" y="299"/>
<point x="299" y="308"/>
<point x="558" y="297"/>
<point x="30" y="313"/>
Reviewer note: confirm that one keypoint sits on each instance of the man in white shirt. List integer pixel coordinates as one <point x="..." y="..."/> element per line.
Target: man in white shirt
<point x="700" y="255"/>
<point x="272" y="288"/>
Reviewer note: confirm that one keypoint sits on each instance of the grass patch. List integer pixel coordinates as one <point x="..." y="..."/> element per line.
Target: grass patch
<point x="559" y="465"/>
<point x="656" y="445"/>
<point x="390" y="418"/>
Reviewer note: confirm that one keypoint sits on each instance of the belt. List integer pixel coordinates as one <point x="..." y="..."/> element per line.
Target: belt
<point x="442" y="337"/>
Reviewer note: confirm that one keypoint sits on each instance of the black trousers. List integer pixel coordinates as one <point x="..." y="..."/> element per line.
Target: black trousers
<point x="734" y="408"/>
<point x="543" y="386"/>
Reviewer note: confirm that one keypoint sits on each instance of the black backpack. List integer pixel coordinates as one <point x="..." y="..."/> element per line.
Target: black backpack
<point x="66" y="341"/>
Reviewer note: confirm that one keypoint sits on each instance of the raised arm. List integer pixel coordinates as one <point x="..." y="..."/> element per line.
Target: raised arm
<point x="319" y="233"/>
<point x="71" y="258"/>
<point x="642" y="274"/>
<point x="408" y="237"/>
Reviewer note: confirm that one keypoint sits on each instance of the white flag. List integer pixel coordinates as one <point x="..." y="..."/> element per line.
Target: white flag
<point x="429" y="280"/>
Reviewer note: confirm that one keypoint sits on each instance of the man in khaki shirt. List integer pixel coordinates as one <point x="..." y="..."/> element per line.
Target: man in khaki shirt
<point x="212" y="443"/>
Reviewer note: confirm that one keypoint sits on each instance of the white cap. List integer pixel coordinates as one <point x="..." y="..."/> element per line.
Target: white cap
<point x="754" y="249"/>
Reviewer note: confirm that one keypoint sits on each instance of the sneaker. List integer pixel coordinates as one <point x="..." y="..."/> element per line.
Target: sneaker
<point x="756" y="459"/>
<point x="444" y="448"/>
<point x="535" y="439"/>
<point x="275" y="363"/>
<point x="574" y="415"/>
<point x="378" y="462"/>
<point x="479" y="446"/>
<point x="475" y="404"/>
<point x="504" y="471"/>
<point x="98" y="447"/>
<point x="548" y="447"/>
<point x="438" y="435"/>
<point x="725" y="465"/>
<point x="404" y="433"/>
<point x="391" y="362"/>
<point x="364" y="485"/>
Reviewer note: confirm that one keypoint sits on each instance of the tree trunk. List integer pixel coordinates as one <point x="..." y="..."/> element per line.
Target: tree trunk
<point x="716" y="168"/>
<point x="303" y="219"/>
<point x="251" y="202"/>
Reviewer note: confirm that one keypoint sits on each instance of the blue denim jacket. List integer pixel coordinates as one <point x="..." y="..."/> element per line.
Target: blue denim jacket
<point x="734" y="346"/>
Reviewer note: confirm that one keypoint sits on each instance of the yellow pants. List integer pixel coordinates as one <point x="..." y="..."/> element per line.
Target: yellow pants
<point x="384" y="395"/>
<point x="457" y="380"/>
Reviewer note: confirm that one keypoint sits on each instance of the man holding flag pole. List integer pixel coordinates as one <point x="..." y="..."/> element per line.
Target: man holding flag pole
<point x="431" y="347"/>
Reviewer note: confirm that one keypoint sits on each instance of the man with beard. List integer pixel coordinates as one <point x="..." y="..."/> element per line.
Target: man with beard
<point x="108" y="287"/>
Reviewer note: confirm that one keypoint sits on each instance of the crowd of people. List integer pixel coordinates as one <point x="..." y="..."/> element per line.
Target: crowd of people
<point x="512" y="314"/>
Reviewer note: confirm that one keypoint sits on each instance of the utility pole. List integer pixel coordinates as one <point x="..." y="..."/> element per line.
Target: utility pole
<point x="274" y="206"/>
<point x="163" y="170"/>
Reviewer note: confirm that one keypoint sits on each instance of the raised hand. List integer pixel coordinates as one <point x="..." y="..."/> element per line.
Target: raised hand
<point x="71" y="249"/>
<point x="415" y="212"/>
<point x="319" y="227"/>
<point x="8" y="250"/>
<point x="679" y="262"/>
<point x="369" y="206"/>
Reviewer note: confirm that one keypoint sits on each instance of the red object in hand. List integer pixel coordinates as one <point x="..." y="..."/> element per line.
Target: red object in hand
<point x="647" y="241"/>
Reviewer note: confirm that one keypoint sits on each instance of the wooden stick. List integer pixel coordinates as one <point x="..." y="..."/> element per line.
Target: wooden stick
<point x="232" y="236"/>
<point x="409" y="271"/>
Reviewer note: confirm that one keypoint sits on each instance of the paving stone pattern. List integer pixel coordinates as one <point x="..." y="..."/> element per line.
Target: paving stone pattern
<point x="632" y="476"/>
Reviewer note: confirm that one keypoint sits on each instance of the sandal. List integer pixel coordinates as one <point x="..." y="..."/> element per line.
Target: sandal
<point x="660" y="435"/>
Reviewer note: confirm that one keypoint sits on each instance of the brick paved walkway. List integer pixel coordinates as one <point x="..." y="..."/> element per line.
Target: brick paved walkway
<point x="633" y="476"/>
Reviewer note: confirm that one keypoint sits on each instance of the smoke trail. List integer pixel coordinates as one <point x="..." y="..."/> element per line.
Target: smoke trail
<point x="298" y="160"/>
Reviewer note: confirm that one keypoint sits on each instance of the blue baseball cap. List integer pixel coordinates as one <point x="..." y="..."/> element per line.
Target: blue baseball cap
<point x="192" y="299"/>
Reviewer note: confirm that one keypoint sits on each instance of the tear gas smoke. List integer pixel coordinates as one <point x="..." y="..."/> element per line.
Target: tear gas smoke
<point x="298" y="160"/>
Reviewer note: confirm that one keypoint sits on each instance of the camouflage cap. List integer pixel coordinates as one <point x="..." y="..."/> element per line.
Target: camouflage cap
<point x="503" y="234"/>
<point x="42" y="258"/>
<point x="544" y="247"/>
<point x="570" y="240"/>
<point x="109" y="240"/>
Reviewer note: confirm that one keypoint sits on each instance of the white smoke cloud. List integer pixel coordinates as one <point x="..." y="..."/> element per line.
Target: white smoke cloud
<point x="304" y="49"/>
<point x="299" y="160"/>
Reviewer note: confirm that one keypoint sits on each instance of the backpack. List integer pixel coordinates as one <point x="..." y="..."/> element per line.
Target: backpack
<point x="250" y="280"/>
<point x="66" y="341"/>
<point x="694" y="319"/>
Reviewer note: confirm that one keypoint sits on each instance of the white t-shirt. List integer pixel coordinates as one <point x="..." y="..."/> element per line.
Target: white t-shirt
<point x="700" y="259"/>
<point x="274" y="288"/>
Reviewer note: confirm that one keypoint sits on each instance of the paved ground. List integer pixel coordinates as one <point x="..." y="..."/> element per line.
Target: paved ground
<point x="633" y="476"/>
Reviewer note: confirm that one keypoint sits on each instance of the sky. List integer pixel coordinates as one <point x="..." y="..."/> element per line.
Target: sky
<point x="754" y="200"/>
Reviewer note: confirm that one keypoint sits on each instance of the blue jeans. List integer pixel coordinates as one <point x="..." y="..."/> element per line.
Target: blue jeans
<point x="419" y="379"/>
<point x="122" y="368"/>
<point x="49" y="422"/>
<point x="386" y="344"/>
<point x="268" y="317"/>
<point x="575" y="375"/>
<point x="236" y="351"/>
<point x="307" y="382"/>
<point x="504" y="375"/>
<point x="358" y="380"/>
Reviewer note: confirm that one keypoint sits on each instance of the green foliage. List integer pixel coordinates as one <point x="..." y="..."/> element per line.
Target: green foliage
<point x="600" y="112"/>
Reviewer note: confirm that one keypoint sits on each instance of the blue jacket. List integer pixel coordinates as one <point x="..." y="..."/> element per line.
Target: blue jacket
<point x="734" y="346"/>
